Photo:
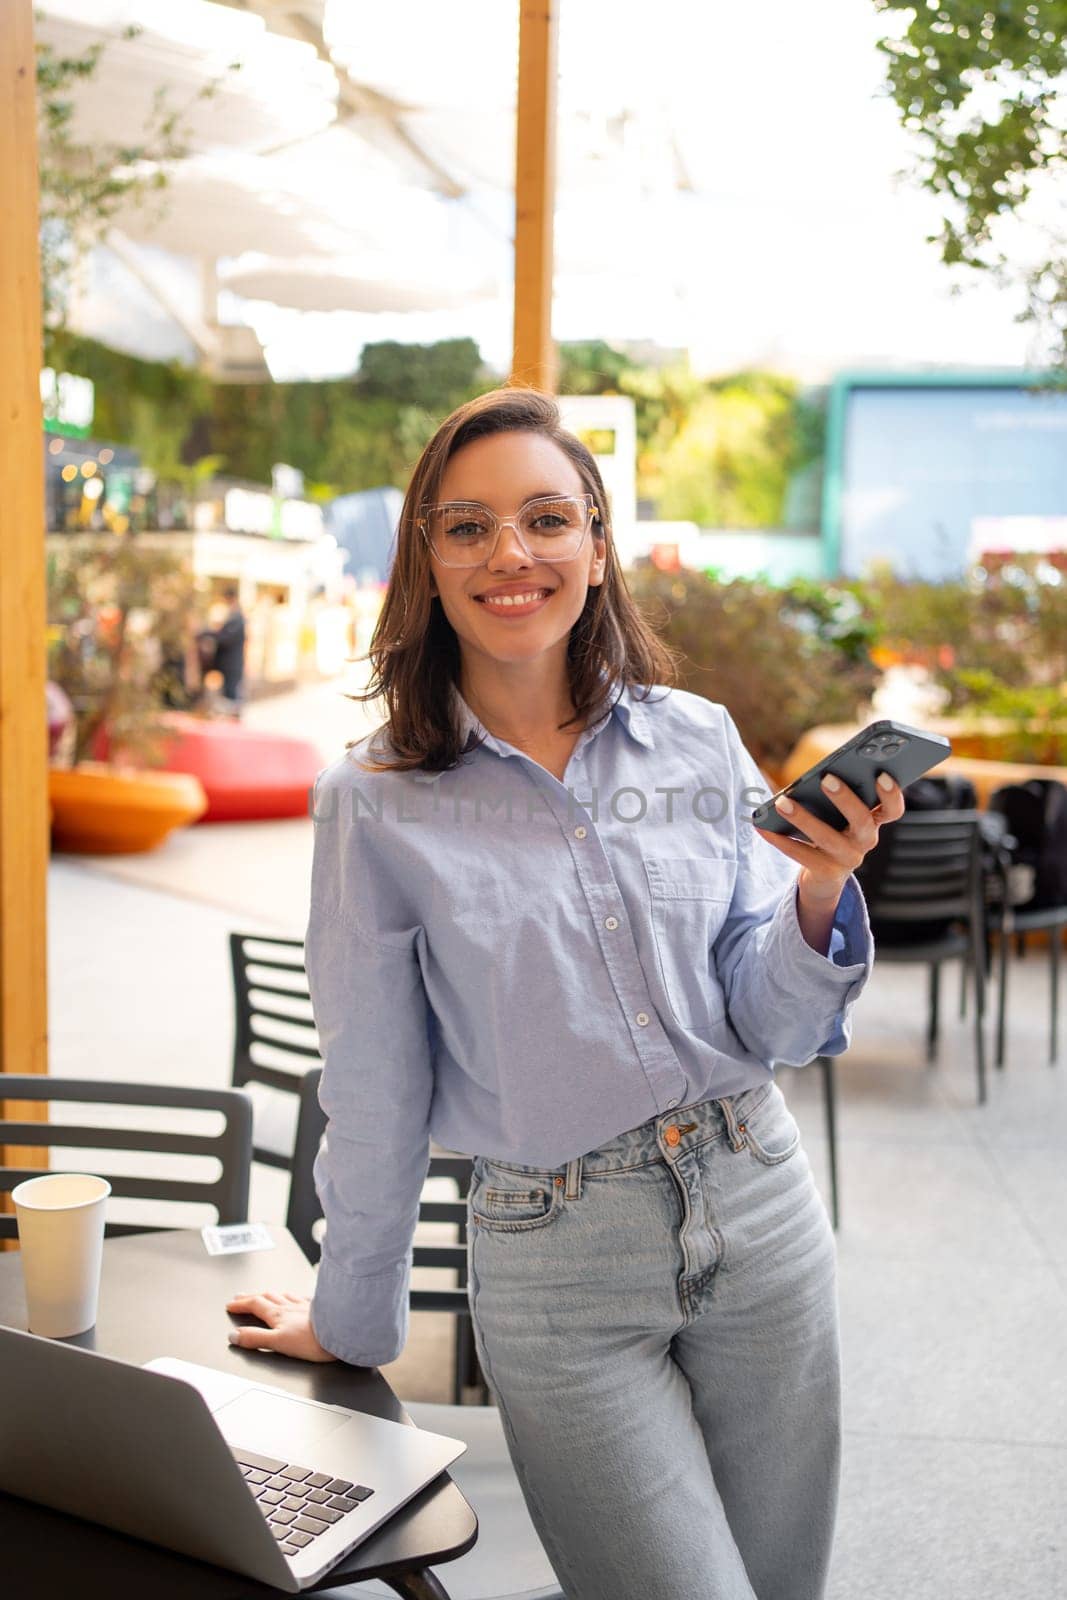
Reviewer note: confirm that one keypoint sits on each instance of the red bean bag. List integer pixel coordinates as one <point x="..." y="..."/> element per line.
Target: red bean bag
<point x="246" y="774"/>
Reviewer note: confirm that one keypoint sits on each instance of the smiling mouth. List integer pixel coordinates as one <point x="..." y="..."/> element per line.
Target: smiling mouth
<point x="519" y="602"/>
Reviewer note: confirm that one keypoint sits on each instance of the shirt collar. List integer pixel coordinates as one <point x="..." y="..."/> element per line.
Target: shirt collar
<point x="632" y="713"/>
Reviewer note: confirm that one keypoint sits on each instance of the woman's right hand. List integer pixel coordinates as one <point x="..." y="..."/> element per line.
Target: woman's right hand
<point x="288" y="1330"/>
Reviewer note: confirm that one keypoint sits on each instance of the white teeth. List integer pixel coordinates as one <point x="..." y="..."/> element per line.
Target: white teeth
<point x="514" y="600"/>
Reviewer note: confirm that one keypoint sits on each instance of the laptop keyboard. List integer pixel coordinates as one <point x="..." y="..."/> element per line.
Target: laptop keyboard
<point x="298" y="1504"/>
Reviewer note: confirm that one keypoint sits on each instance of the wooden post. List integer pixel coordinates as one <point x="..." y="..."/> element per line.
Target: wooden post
<point x="23" y="738"/>
<point x="534" y="356"/>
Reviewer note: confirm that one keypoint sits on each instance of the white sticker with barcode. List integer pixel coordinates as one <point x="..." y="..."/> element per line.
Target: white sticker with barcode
<point x="235" y="1237"/>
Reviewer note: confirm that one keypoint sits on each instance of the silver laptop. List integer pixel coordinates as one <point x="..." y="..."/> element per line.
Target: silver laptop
<point x="232" y="1471"/>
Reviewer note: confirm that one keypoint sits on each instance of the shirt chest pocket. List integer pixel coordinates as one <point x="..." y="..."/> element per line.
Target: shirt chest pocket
<point x="689" y="897"/>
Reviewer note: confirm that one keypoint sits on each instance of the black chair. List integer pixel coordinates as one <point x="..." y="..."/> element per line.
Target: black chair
<point x="275" y="1040"/>
<point x="937" y="791"/>
<point x="305" y="1213"/>
<point x="231" y="1147"/>
<point x="276" y="1056"/>
<point x="1035" y="814"/>
<point x="925" y="892"/>
<point x="1017" y="924"/>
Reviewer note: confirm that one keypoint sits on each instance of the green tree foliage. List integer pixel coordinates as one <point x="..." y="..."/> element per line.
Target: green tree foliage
<point x="590" y="366"/>
<point x="980" y="82"/>
<point x="348" y="433"/>
<point x="723" y="453"/>
<point x="436" y="377"/>
<point x="662" y="396"/>
<point x="152" y="406"/>
<point x="341" y="434"/>
<point x="731" y="462"/>
<point x="729" y="453"/>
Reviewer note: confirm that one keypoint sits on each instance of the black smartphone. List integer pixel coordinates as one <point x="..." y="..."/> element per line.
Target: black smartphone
<point x="905" y="753"/>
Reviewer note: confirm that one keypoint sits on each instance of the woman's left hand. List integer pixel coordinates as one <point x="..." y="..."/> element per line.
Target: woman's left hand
<point x="832" y="855"/>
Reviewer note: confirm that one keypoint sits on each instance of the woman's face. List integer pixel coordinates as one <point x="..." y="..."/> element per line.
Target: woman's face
<point x="502" y="472"/>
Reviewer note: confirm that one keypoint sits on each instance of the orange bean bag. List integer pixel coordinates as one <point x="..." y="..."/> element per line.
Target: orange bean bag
<point x="98" y="810"/>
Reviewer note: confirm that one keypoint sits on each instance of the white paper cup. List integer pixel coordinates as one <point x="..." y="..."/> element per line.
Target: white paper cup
<point x="61" y="1238"/>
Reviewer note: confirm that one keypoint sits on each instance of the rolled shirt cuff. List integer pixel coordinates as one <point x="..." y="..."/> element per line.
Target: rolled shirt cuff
<point x="362" y="1319"/>
<point x="850" y="958"/>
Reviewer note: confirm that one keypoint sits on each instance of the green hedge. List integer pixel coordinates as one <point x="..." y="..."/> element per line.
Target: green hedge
<point x="346" y="434"/>
<point x="733" y="451"/>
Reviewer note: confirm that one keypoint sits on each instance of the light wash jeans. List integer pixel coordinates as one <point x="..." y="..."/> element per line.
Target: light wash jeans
<point x="657" y="1322"/>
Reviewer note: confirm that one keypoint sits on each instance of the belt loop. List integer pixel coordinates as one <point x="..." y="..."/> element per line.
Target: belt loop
<point x="573" y="1190"/>
<point x="737" y="1139"/>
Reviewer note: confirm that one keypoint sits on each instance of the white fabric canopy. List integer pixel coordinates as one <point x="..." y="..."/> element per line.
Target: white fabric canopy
<point x="726" y="179"/>
<point x="311" y="284"/>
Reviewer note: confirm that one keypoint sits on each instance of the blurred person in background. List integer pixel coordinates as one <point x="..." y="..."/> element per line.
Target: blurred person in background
<point x="230" y="652"/>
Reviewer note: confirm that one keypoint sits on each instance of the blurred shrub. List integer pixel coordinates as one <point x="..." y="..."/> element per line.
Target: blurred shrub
<point x="995" y="642"/>
<point x="734" y="457"/>
<point x="119" y="619"/>
<point x="780" y="660"/>
<point x="344" y="433"/>
<point x="1008" y="617"/>
<point x="1036" y="714"/>
<point x="736" y="451"/>
<point x="352" y="433"/>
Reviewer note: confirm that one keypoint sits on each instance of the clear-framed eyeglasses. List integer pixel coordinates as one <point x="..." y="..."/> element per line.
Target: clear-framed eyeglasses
<point x="463" y="533"/>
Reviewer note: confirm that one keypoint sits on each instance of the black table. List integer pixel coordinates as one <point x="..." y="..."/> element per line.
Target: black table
<point x="161" y="1294"/>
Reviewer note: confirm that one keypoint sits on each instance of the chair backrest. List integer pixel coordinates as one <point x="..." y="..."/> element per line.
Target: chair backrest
<point x="945" y="791"/>
<point x="925" y="869"/>
<point x="231" y="1147"/>
<point x="305" y="1211"/>
<point x="1036" y="816"/>
<point x="275" y="1041"/>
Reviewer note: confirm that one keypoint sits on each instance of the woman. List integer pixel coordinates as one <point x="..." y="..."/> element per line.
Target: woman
<point x="544" y="933"/>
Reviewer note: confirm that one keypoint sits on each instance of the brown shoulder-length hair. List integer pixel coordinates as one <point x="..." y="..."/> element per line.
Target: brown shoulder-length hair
<point x="414" y="651"/>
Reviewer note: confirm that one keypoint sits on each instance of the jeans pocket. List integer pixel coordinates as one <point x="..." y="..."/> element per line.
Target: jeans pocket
<point x="770" y="1129"/>
<point x="506" y="1202"/>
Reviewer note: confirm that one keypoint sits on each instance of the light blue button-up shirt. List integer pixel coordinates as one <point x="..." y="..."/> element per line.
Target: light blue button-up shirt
<point x="523" y="968"/>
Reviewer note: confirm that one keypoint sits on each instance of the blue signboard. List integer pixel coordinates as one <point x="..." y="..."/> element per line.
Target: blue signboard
<point x="925" y="472"/>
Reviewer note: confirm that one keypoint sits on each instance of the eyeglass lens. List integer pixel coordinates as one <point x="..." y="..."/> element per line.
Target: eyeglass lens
<point x="464" y="535"/>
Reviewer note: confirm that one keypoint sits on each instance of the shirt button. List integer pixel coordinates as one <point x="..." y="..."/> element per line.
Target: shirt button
<point x="579" y="833"/>
<point x="642" y="1019"/>
<point x="671" y="1104"/>
<point x="611" y="923"/>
